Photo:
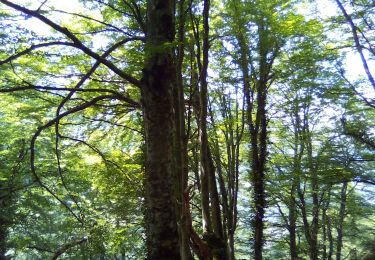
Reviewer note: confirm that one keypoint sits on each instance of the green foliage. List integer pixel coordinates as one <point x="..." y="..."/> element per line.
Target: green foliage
<point x="89" y="162"/>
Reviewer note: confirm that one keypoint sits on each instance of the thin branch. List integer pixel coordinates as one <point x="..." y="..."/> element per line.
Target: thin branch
<point x="369" y="48"/>
<point x="117" y="124"/>
<point x="12" y="189"/>
<point x="68" y="246"/>
<point x="33" y="47"/>
<point x="283" y="216"/>
<point x="357" y="43"/>
<point x="93" y="19"/>
<point x="78" y="87"/>
<point x="47" y="125"/>
<point x="38" y="248"/>
<point x="77" y="43"/>
<point x="134" y="8"/>
<point x="120" y="96"/>
<point x="101" y="154"/>
<point x="366" y="100"/>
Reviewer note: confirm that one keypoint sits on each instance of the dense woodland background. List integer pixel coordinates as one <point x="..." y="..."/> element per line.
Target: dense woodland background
<point x="160" y="129"/>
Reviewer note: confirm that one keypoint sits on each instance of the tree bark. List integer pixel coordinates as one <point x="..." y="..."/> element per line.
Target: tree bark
<point x="159" y="78"/>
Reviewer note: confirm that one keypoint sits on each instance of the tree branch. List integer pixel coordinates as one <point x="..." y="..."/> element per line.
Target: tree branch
<point x="357" y="43"/>
<point x="33" y="47"/>
<point x="50" y="123"/>
<point x="76" y="42"/>
<point x="119" y="96"/>
<point x="68" y="246"/>
<point x="93" y="19"/>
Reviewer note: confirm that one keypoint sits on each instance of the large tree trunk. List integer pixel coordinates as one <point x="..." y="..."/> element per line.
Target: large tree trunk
<point x="159" y="77"/>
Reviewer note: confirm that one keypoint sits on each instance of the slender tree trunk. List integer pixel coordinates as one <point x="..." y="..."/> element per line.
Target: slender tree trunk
<point x="293" y="249"/>
<point x="341" y="220"/>
<point x="233" y="134"/>
<point x="202" y="108"/>
<point x="330" y="238"/>
<point x="296" y="179"/>
<point x="315" y="195"/>
<point x="310" y="230"/>
<point x="227" y="214"/>
<point x="258" y="147"/>
<point x="210" y="198"/>
<point x="257" y="163"/>
<point x="159" y="78"/>
<point x="325" y="223"/>
<point x="4" y="223"/>
<point x="219" y="245"/>
<point x="258" y="133"/>
<point x="180" y="138"/>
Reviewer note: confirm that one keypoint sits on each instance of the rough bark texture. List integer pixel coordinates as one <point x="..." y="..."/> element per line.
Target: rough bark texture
<point x="159" y="77"/>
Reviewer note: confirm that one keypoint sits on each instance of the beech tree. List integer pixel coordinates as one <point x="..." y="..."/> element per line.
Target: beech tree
<point x="165" y="129"/>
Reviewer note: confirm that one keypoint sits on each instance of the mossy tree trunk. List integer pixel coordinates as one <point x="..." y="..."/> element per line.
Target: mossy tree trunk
<point x="159" y="78"/>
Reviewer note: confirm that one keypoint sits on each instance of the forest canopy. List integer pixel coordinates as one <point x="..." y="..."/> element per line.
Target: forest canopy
<point x="161" y="129"/>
